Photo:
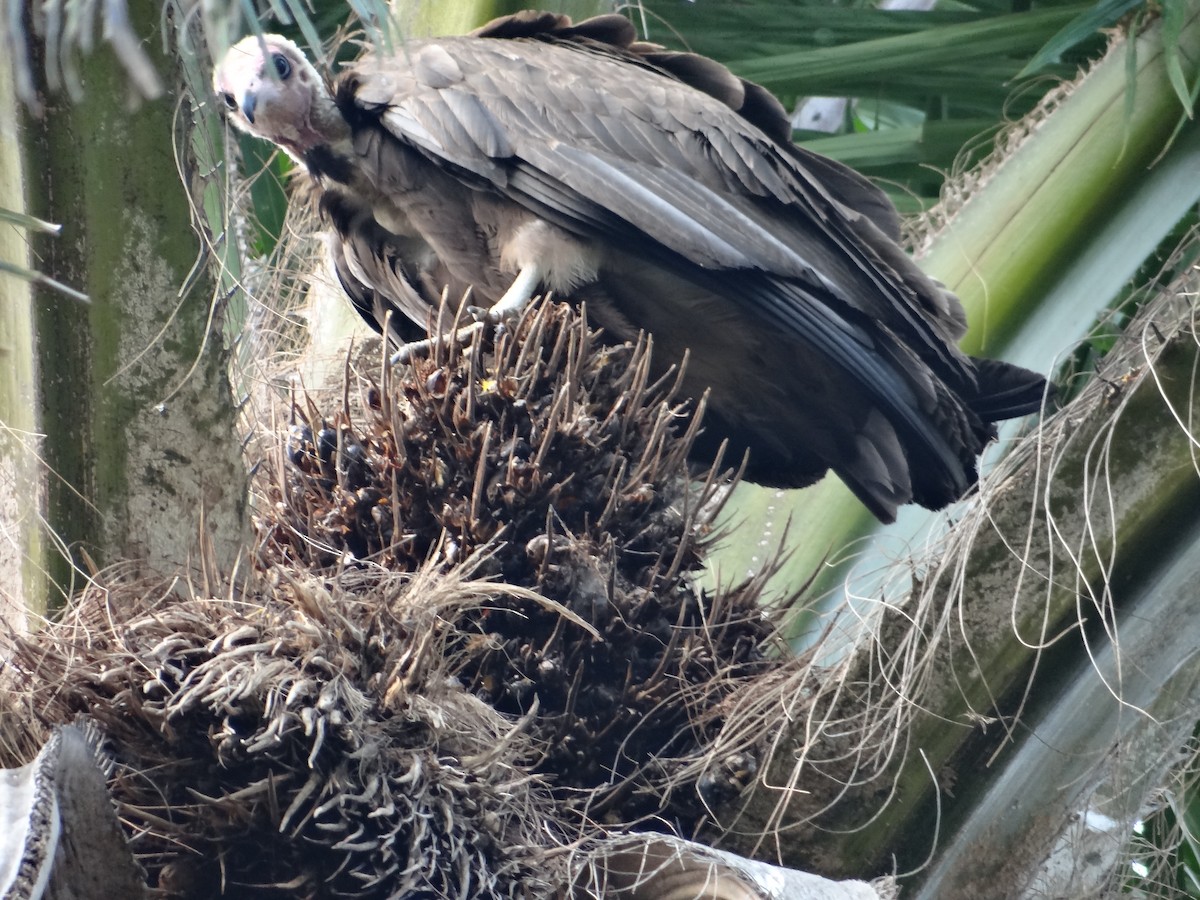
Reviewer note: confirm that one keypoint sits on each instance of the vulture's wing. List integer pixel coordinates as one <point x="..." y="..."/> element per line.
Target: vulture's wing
<point x="604" y="148"/>
<point x="381" y="282"/>
<point x="751" y="101"/>
<point x="668" y="163"/>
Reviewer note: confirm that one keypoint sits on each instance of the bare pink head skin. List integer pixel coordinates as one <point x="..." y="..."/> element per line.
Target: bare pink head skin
<point x="272" y="91"/>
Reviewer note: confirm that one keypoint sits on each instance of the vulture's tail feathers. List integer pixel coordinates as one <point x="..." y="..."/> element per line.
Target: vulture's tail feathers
<point x="885" y="476"/>
<point x="877" y="469"/>
<point x="928" y="421"/>
<point x="1007" y="391"/>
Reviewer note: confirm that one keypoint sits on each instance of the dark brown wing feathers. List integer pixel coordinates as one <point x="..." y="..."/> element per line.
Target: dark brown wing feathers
<point x="827" y="346"/>
<point x="615" y="34"/>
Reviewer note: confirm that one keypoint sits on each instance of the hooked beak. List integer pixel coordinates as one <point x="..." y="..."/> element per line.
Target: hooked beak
<point x="249" y="102"/>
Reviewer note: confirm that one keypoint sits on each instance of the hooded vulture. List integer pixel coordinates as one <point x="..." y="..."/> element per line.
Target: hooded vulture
<point x="540" y="155"/>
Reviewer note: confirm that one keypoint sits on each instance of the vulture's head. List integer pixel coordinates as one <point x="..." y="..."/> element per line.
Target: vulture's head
<point x="271" y="90"/>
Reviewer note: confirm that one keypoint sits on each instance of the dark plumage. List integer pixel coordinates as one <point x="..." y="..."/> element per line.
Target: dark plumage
<point x="665" y="192"/>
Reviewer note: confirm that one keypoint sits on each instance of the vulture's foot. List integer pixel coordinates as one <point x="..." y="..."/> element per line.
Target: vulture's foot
<point x="417" y="349"/>
<point x="504" y="310"/>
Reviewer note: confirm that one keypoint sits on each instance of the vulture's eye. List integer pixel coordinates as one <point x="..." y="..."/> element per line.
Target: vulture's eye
<point x="230" y="103"/>
<point x="282" y="66"/>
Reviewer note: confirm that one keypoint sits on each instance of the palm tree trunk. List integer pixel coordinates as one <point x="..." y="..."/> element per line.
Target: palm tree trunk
<point x="22" y="551"/>
<point x="133" y="396"/>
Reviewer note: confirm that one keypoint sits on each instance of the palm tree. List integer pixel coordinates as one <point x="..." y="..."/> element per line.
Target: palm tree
<point x="1012" y="712"/>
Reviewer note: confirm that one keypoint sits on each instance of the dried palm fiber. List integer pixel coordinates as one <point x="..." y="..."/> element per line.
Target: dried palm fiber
<point x="291" y="740"/>
<point x="386" y="708"/>
<point x="555" y="450"/>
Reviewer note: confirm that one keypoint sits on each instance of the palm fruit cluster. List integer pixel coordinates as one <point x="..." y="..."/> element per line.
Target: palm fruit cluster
<point x="554" y="462"/>
<point x="472" y="640"/>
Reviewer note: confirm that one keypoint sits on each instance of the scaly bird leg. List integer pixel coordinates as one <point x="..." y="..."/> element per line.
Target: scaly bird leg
<point x="415" y="349"/>
<point x="518" y="295"/>
<point x="515" y="299"/>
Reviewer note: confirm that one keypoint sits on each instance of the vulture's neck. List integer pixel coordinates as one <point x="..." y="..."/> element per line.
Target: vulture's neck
<point x="328" y="121"/>
<point x="331" y="161"/>
<point x="323" y="142"/>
